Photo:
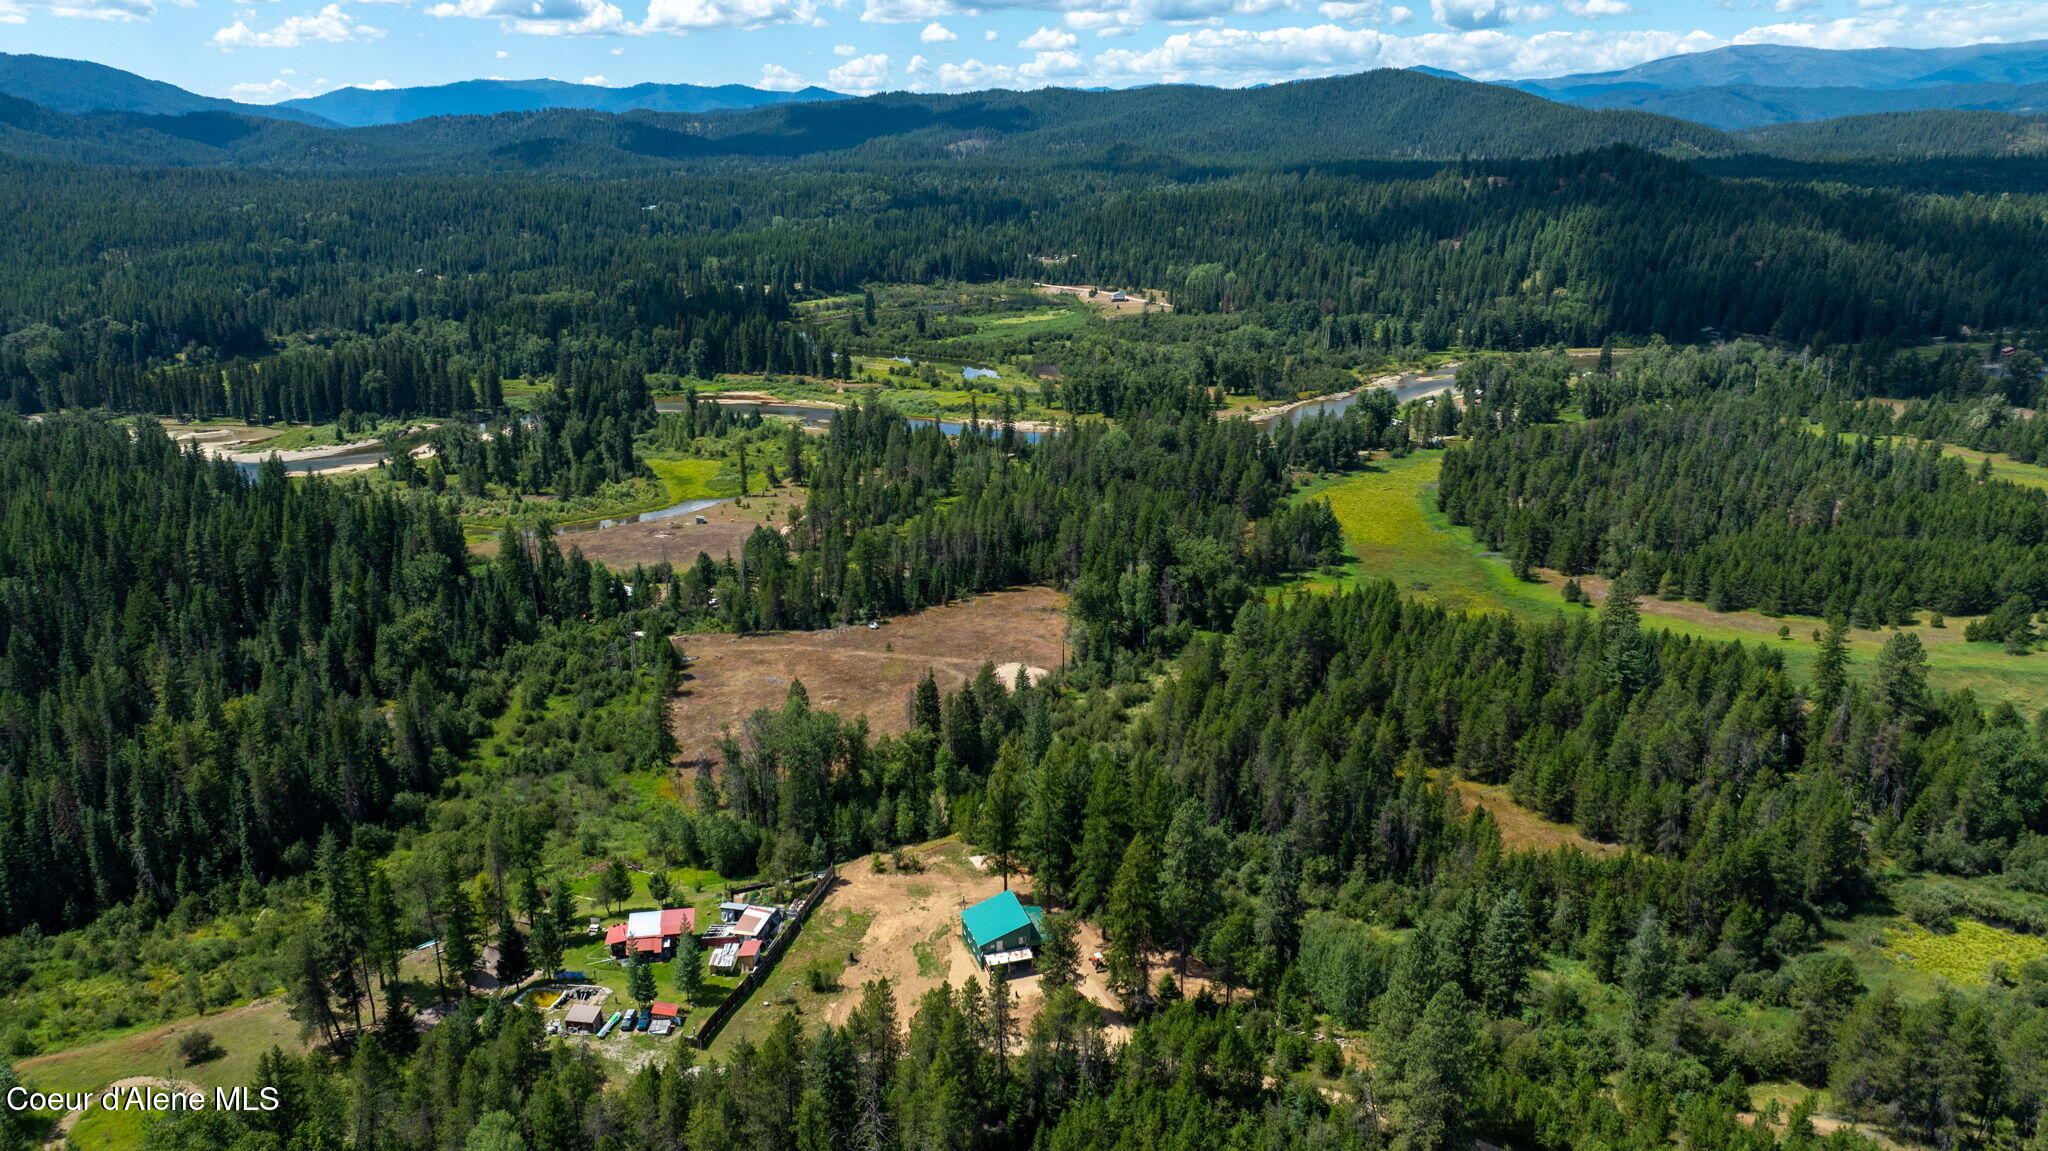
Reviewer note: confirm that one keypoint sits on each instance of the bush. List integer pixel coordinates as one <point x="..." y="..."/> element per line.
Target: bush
<point x="196" y="1047"/>
<point x="1933" y="907"/>
<point x="823" y="977"/>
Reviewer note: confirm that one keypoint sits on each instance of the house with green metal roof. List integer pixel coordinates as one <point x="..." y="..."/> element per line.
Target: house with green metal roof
<point x="1002" y="931"/>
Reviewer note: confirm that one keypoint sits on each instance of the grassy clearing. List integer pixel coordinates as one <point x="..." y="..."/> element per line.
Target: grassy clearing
<point x="675" y="480"/>
<point x="1394" y="531"/>
<point x="2003" y="466"/>
<point x="828" y="938"/>
<point x="1965" y="956"/>
<point x="331" y="435"/>
<point x="1522" y="829"/>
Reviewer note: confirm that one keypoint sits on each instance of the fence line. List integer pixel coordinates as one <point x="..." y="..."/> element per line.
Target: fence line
<point x="734" y="1000"/>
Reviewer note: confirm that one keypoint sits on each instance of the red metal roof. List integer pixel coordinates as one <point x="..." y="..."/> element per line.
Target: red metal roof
<point x="750" y="947"/>
<point x="650" y="944"/>
<point x="616" y="935"/>
<point x="665" y="1010"/>
<point x="679" y="921"/>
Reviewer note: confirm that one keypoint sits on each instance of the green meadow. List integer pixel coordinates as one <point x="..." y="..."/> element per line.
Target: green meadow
<point x="1394" y="531"/>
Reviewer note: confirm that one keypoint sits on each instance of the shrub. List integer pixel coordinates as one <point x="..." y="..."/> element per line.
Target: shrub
<point x="823" y="977"/>
<point x="196" y="1047"/>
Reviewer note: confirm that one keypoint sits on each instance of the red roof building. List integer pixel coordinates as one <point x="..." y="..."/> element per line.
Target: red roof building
<point x="651" y="933"/>
<point x="665" y="1010"/>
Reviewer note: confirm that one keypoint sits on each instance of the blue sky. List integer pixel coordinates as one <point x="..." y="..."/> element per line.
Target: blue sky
<point x="266" y="50"/>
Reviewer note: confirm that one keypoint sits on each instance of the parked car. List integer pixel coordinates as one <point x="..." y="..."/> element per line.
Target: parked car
<point x="632" y="1017"/>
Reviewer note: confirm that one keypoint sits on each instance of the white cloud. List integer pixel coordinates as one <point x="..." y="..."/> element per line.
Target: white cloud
<point x="861" y="74"/>
<point x="990" y="35"/>
<point x="503" y="55"/>
<point x="595" y="81"/>
<point x="1474" y="14"/>
<point x="12" y="13"/>
<point x="1593" y="9"/>
<point x="937" y="33"/>
<point x="776" y="78"/>
<point x="330" y="25"/>
<point x="690" y="15"/>
<point x="845" y="50"/>
<point x="1353" y="11"/>
<point x="1048" y="40"/>
<point x="114" y="11"/>
<point x="273" y="90"/>
<point x="1237" y="56"/>
<point x="1795" y="5"/>
<point x="1052" y="66"/>
<point x="541" y="17"/>
<point x="1947" y="24"/>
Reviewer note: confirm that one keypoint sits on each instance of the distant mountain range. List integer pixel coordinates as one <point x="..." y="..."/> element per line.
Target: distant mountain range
<point x="1386" y="113"/>
<point x="83" y="86"/>
<point x="81" y="112"/>
<point x="1785" y="66"/>
<point x="1753" y="84"/>
<point x="363" y="107"/>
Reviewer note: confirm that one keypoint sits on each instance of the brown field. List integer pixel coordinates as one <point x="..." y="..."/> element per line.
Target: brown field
<point x="677" y="539"/>
<point x="904" y="926"/>
<point x="1102" y="299"/>
<point x="857" y="669"/>
<point x="1522" y="829"/>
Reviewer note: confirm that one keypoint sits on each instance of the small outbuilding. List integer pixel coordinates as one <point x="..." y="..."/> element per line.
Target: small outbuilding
<point x="582" y="1019"/>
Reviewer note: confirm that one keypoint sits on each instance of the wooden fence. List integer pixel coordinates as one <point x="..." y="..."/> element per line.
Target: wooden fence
<point x="737" y="998"/>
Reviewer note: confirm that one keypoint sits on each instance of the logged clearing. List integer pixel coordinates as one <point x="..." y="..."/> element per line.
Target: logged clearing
<point x="857" y="669"/>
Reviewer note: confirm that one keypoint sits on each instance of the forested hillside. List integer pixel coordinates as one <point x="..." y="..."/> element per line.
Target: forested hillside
<point x="1383" y="113"/>
<point x="199" y="668"/>
<point x="1469" y="584"/>
<point x="265" y="297"/>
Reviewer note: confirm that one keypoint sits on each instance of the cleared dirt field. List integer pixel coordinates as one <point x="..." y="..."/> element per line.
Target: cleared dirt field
<point x="869" y="671"/>
<point x="678" y="539"/>
<point x="1105" y="299"/>
<point x="904" y="926"/>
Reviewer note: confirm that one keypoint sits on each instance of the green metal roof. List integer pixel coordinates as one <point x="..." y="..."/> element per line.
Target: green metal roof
<point x="997" y="916"/>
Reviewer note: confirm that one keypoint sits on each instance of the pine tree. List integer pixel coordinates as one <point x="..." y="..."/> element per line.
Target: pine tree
<point x="1500" y="968"/>
<point x="1625" y="661"/>
<point x="615" y="886"/>
<point x="639" y="981"/>
<point x="688" y="973"/>
<point x="1187" y="878"/>
<point x="1001" y="813"/>
<point x="1131" y="919"/>
<point x="1900" y="679"/>
<point x="461" y="932"/>
<point x="1424" y="1075"/>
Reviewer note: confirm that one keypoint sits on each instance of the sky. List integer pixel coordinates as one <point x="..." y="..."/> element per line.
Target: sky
<point x="268" y="50"/>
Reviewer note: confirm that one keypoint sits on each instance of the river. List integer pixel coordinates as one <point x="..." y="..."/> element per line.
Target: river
<point x="1410" y="386"/>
